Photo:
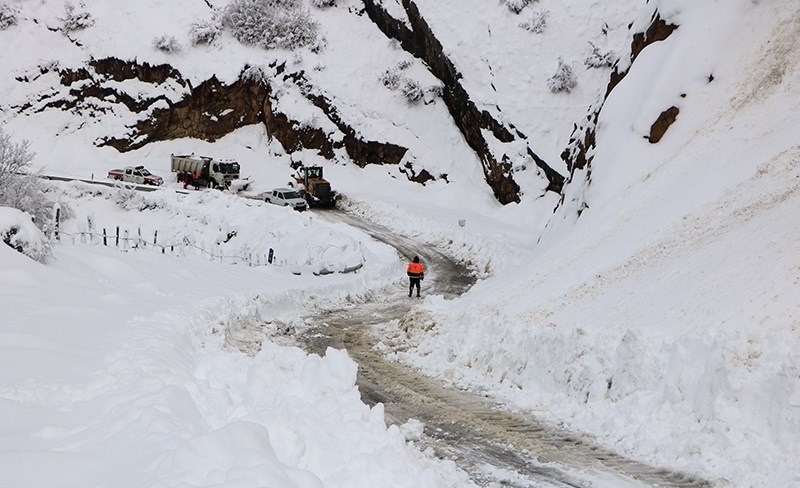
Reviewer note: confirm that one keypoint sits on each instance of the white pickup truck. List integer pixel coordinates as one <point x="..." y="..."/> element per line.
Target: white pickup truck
<point x="286" y="198"/>
<point x="136" y="174"/>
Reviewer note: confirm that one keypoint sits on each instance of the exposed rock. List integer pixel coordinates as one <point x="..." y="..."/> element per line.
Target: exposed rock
<point x="662" y="123"/>
<point x="209" y="111"/>
<point x="578" y="154"/>
<point x="360" y="152"/>
<point x="420" y="42"/>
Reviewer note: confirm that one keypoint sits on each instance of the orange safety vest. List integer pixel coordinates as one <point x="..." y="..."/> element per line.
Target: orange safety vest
<point x="415" y="269"/>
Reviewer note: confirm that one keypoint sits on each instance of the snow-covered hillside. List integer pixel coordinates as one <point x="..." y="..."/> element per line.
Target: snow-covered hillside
<point x="642" y="292"/>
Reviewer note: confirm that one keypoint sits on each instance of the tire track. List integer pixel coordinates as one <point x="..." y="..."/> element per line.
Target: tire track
<point x="495" y="446"/>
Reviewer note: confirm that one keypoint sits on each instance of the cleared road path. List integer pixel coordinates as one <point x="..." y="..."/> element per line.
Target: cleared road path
<point x="495" y="446"/>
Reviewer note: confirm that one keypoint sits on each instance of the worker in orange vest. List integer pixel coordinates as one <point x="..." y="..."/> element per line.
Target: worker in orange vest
<point x="416" y="273"/>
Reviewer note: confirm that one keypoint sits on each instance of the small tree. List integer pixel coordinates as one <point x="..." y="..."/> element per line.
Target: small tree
<point x="204" y="31"/>
<point x="19" y="187"/>
<point x="8" y="16"/>
<point x="516" y="6"/>
<point x="411" y="90"/>
<point x="167" y="43"/>
<point x="537" y="22"/>
<point x="599" y="59"/>
<point x="390" y="78"/>
<point x="76" y="19"/>
<point x="563" y="79"/>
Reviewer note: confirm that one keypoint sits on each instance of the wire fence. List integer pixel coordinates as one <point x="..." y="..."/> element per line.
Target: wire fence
<point x="125" y="240"/>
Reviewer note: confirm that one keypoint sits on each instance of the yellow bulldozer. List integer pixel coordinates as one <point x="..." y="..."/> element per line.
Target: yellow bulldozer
<point x="314" y="187"/>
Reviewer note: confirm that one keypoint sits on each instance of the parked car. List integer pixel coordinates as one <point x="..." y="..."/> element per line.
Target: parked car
<point x="286" y="198"/>
<point x="137" y="174"/>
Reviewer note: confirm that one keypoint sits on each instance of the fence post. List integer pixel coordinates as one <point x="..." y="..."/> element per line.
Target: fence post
<point x="155" y="236"/>
<point x="125" y="241"/>
<point x="58" y="218"/>
<point x="104" y="237"/>
<point x="117" y="241"/>
<point x="90" y="224"/>
<point x="139" y="238"/>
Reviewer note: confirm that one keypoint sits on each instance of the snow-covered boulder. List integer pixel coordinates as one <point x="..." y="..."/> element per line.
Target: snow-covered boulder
<point x="18" y="231"/>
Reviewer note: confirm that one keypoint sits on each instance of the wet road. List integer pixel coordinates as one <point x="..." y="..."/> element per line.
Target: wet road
<point x="496" y="447"/>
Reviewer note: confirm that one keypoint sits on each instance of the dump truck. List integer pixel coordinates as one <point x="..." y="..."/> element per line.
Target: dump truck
<point x="206" y="172"/>
<point x="314" y="188"/>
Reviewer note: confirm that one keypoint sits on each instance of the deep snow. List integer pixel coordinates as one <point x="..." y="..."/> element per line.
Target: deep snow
<point x="663" y="320"/>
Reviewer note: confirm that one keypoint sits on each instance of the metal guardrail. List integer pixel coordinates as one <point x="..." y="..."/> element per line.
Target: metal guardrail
<point x="112" y="184"/>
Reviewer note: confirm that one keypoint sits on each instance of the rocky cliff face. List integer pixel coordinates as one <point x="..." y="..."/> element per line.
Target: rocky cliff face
<point x="420" y="41"/>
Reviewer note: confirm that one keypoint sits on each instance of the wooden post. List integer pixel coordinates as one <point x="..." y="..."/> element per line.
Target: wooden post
<point x="155" y="237"/>
<point x="139" y="238"/>
<point x="104" y="237"/>
<point x="90" y="224"/>
<point x="125" y="241"/>
<point x="58" y="218"/>
<point x="117" y="242"/>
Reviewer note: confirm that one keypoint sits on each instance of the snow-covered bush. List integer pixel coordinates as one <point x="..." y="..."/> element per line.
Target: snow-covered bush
<point x="516" y="6"/>
<point x="393" y="79"/>
<point x="411" y="90"/>
<point x="204" y="31"/>
<point x="8" y="16"/>
<point x="19" y="188"/>
<point x="18" y="231"/>
<point x="563" y="79"/>
<point x="323" y="3"/>
<point x="270" y="23"/>
<point x="254" y="73"/>
<point x="537" y="22"/>
<point x="167" y="43"/>
<point x="599" y="59"/>
<point x="76" y="19"/>
<point x="390" y="79"/>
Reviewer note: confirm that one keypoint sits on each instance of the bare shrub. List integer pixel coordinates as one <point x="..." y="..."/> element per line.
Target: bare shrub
<point x="8" y="16"/>
<point x="204" y="31"/>
<point x="537" y="22"/>
<point x="563" y="79"/>
<point x="516" y="6"/>
<point x="167" y="43"/>
<point x="76" y="18"/>
<point x="411" y="90"/>
<point x="270" y="23"/>
<point x="598" y="59"/>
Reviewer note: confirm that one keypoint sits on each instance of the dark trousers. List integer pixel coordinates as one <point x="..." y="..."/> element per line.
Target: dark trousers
<point x="413" y="282"/>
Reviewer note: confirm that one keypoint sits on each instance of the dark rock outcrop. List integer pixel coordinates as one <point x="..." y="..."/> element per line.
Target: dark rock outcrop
<point x="208" y="111"/>
<point x="420" y="42"/>
<point x="361" y="152"/>
<point x="662" y="123"/>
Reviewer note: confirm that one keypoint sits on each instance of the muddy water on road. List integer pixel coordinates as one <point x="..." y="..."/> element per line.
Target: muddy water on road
<point x="495" y="446"/>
